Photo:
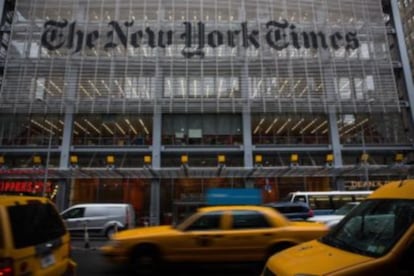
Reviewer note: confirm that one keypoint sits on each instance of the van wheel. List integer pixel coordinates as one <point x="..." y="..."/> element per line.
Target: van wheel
<point x="109" y="232"/>
<point x="145" y="261"/>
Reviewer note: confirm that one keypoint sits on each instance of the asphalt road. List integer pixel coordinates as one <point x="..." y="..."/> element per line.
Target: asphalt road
<point x="91" y="263"/>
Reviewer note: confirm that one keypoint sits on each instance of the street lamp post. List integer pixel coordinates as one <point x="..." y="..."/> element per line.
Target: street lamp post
<point x="47" y="164"/>
<point x="365" y="161"/>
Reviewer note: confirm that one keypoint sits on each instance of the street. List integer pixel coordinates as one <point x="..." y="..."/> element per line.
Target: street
<point x="90" y="262"/>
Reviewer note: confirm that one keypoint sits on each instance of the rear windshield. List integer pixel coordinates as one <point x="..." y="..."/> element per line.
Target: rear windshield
<point x="34" y="224"/>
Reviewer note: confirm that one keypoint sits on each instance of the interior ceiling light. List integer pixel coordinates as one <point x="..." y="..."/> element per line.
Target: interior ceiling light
<point x="52" y="125"/>
<point x="82" y="128"/>
<point x="271" y="125"/>
<point x="308" y="125"/>
<point x="94" y="88"/>
<point x="42" y="127"/>
<point x="283" y="126"/>
<point x="297" y="83"/>
<point x="355" y="126"/>
<point x="131" y="126"/>
<point x="92" y="126"/>
<point x="298" y="123"/>
<point x="318" y="127"/>
<point x="283" y="86"/>
<point x="120" y="129"/>
<point x="119" y="87"/>
<point x="143" y="125"/>
<point x="56" y="87"/>
<point x="107" y="128"/>
<point x="303" y="91"/>
<point x="258" y="126"/>
<point x="106" y="86"/>
<point x="85" y="91"/>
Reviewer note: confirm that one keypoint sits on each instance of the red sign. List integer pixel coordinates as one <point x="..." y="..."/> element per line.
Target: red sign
<point x="22" y="171"/>
<point x="23" y="186"/>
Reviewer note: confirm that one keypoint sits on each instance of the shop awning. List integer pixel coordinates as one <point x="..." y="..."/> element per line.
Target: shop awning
<point x="209" y="172"/>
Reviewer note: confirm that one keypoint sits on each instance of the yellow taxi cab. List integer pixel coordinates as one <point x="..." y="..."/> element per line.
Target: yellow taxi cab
<point x="212" y="234"/>
<point x="375" y="238"/>
<point x="34" y="239"/>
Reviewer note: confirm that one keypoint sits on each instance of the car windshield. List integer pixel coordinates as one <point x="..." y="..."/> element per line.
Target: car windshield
<point x="373" y="227"/>
<point x="344" y="209"/>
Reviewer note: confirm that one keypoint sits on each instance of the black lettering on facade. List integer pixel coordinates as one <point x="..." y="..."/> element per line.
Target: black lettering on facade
<point x="53" y="37"/>
<point x="277" y="34"/>
<point x="116" y="29"/>
<point x="295" y="37"/>
<point x="352" y="41"/>
<point x="91" y="38"/>
<point x="249" y="37"/>
<point x="276" y="38"/>
<point x="231" y="35"/>
<point x="136" y="38"/>
<point x="314" y="39"/>
<point x="215" y="39"/>
<point x="335" y="39"/>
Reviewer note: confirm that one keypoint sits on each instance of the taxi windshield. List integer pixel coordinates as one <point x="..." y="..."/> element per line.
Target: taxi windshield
<point x="373" y="227"/>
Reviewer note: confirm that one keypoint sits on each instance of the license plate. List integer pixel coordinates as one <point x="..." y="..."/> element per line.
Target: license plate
<point x="47" y="260"/>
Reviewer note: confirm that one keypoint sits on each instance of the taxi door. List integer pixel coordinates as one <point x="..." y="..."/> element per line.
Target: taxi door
<point x="247" y="237"/>
<point x="203" y="240"/>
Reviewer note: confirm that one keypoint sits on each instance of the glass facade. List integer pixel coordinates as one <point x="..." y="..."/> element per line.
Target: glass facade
<point x="255" y="81"/>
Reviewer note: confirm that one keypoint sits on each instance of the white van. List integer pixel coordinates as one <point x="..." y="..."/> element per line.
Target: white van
<point x="326" y="202"/>
<point x="101" y="219"/>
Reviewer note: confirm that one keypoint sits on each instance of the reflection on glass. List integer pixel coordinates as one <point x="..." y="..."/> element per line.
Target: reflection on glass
<point x="373" y="228"/>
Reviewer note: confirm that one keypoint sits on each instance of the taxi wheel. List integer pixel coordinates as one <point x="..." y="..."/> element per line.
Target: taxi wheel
<point x="145" y="261"/>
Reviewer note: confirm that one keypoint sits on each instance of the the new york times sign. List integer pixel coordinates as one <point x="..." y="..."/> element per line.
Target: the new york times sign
<point x="276" y="34"/>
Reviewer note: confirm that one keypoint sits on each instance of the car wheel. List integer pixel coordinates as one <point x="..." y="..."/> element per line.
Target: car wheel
<point x="145" y="261"/>
<point x="109" y="232"/>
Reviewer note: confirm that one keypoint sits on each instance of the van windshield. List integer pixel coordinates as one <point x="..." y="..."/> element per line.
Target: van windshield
<point x="287" y="198"/>
<point x="373" y="227"/>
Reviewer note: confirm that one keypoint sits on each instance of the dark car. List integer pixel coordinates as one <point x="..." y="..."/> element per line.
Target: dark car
<point x="292" y="210"/>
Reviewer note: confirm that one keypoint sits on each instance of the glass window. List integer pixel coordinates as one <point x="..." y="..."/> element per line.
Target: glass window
<point x="374" y="227"/>
<point x="74" y="213"/>
<point x="34" y="223"/>
<point x="340" y="200"/>
<point x="201" y="87"/>
<point x="249" y="220"/>
<point x="208" y="221"/>
<point x="320" y="202"/>
<point x="112" y="129"/>
<point x="362" y="129"/>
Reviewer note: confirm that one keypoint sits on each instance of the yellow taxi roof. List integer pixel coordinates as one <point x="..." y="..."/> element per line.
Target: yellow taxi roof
<point x="232" y="207"/>
<point x="402" y="189"/>
<point x="15" y="199"/>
